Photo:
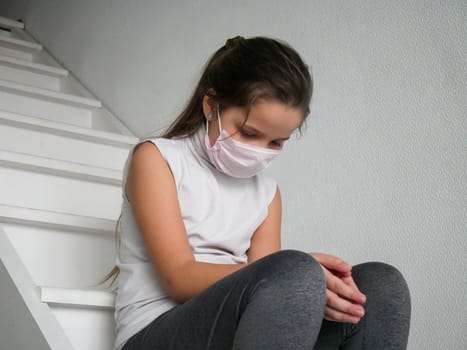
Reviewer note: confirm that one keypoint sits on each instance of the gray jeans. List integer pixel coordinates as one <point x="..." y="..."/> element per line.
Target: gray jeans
<point x="278" y="303"/>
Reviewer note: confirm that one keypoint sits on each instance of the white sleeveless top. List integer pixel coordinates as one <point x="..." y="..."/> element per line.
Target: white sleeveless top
<point x="220" y="214"/>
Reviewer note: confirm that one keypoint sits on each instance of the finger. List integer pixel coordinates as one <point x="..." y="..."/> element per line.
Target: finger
<point x="340" y="288"/>
<point x="336" y="316"/>
<point x="350" y="282"/>
<point x="343" y="306"/>
<point x="333" y="263"/>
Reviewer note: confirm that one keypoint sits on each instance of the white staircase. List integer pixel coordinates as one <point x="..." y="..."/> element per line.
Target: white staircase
<point x="61" y="160"/>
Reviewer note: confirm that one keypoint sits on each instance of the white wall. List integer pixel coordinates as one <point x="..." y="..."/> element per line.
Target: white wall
<point x="380" y="172"/>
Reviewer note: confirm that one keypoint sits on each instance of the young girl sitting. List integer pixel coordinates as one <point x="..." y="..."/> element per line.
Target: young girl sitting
<point x="200" y="260"/>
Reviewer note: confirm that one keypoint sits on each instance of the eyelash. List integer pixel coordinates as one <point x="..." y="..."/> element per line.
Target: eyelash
<point x="277" y="143"/>
<point x="247" y="135"/>
<point x="251" y="136"/>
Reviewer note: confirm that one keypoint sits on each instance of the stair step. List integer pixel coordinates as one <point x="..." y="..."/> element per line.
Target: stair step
<point x="20" y="44"/>
<point x="55" y="192"/>
<point x="19" y="75"/>
<point x="35" y="106"/>
<point x="50" y="95"/>
<point x="76" y="132"/>
<point x="55" y="220"/>
<point x="22" y="55"/>
<point x="40" y="75"/>
<point x="57" y="256"/>
<point x="56" y="106"/>
<point x="60" y="168"/>
<point x="61" y="111"/>
<point x="51" y="141"/>
<point x="4" y="32"/>
<point x="83" y="298"/>
<point x="34" y="67"/>
<point x="10" y="23"/>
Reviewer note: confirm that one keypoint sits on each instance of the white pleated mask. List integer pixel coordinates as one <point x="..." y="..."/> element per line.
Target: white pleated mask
<point x="235" y="158"/>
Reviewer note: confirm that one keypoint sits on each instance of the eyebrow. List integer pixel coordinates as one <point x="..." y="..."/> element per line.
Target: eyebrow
<point x="251" y="128"/>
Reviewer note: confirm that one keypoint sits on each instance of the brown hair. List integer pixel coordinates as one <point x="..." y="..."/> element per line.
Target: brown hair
<point x="242" y="71"/>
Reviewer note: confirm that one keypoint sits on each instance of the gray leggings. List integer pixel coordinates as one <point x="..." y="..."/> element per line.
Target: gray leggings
<point x="278" y="303"/>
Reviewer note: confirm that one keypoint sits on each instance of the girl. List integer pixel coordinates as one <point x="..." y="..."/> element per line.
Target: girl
<point x="199" y="258"/>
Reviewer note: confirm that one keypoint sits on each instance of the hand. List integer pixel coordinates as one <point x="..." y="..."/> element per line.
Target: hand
<point x="343" y="298"/>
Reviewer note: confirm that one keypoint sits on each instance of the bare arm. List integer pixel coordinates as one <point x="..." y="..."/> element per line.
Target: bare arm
<point x="267" y="237"/>
<point x="151" y="191"/>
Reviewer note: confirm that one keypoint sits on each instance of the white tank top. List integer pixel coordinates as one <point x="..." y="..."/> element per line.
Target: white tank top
<point x="220" y="214"/>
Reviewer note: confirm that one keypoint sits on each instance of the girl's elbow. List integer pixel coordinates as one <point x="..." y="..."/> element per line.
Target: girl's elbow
<point x="176" y="290"/>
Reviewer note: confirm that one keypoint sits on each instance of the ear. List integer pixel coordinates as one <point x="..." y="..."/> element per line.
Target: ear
<point x="209" y="106"/>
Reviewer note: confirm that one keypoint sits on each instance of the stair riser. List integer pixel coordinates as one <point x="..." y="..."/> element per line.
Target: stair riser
<point x="35" y="67"/>
<point x="28" y="189"/>
<point x="63" y="258"/>
<point x="87" y="117"/>
<point x="5" y="33"/>
<point x="22" y="76"/>
<point x="87" y="329"/>
<point x="27" y="56"/>
<point x="41" y="108"/>
<point x="11" y="24"/>
<point x="61" y="147"/>
<point x="20" y="44"/>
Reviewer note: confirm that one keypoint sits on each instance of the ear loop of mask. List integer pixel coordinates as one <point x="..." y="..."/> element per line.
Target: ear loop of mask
<point x="218" y="120"/>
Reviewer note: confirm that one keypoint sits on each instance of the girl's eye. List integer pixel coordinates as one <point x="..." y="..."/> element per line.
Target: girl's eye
<point x="247" y="134"/>
<point x="278" y="144"/>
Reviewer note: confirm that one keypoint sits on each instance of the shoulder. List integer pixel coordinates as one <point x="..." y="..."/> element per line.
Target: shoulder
<point x="145" y="150"/>
<point x="165" y="146"/>
<point x="171" y="150"/>
<point x="151" y="152"/>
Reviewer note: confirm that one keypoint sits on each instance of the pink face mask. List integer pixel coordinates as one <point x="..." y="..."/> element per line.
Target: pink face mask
<point x="234" y="158"/>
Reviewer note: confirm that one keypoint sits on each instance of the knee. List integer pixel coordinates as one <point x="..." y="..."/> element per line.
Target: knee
<point x="289" y="284"/>
<point x="297" y="268"/>
<point x="383" y="281"/>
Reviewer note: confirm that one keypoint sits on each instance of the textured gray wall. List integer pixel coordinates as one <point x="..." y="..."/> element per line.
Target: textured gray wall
<point x="380" y="172"/>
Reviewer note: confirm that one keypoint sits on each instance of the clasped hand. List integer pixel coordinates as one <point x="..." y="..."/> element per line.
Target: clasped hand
<point x="344" y="301"/>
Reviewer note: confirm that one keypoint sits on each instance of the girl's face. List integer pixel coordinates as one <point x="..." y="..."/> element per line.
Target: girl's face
<point x="270" y="123"/>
